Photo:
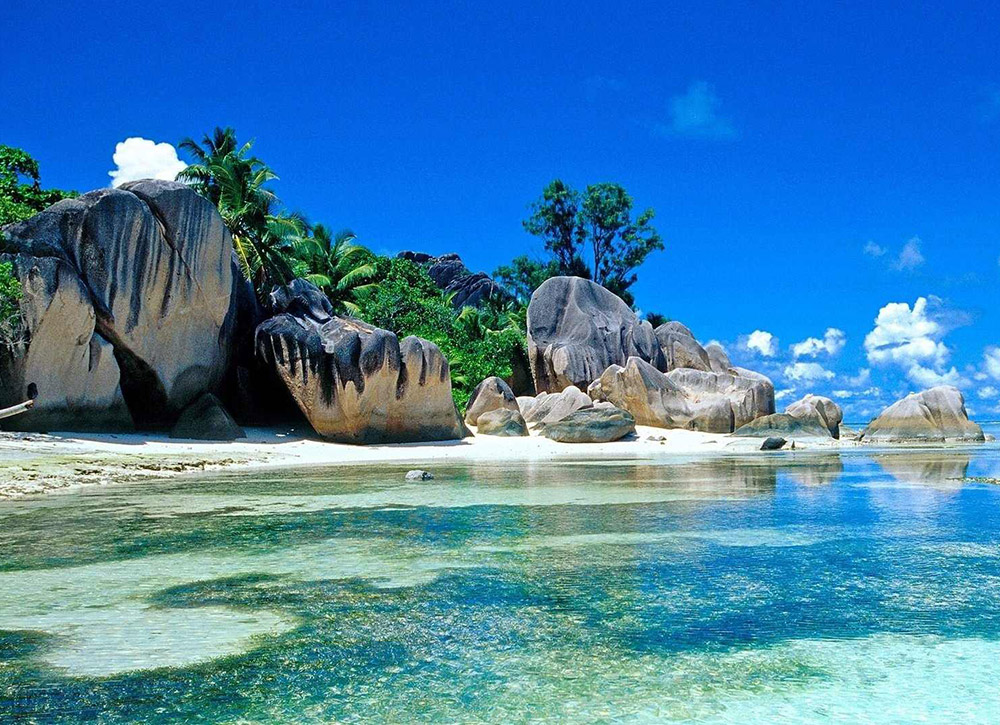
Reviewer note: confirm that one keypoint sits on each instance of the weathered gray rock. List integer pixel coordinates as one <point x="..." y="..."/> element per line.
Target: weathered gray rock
<point x="491" y="394"/>
<point x="785" y="426"/>
<point x="552" y="407"/>
<point x="680" y="348"/>
<point x="773" y="444"/>
<point x="468" y="289"/>
<point x="591" y="425"/>
<point x="717" y="358"/>
<point x="848" y="434"/>
<point x="932" y="416"/>
<point x="576" y="329"/>
<point x="419" y="475"/>
<point x="356" y="383"/>
<point x="502" y="422"/>
<point x="825" y="409"/>
<point x="684" y="397"/>
<point x="142" y="275"/>
<point x="206" y="420"/>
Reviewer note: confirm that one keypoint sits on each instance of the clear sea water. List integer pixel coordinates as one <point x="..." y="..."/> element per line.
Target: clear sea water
<point x="794" y="588"/>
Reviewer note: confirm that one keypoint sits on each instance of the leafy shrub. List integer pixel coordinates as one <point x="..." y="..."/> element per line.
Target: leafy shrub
<point x="11" y="325"/>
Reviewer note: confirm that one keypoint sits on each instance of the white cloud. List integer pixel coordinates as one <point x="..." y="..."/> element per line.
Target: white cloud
<point x="988" y="392"/>
<point x="695" y="113"/>
<point x="832" y="343"/>
<point x="911" y="339"/>
<point x="910" y="257"/>
<point x="863" y="377"/>
<point x="764" y="343"/>
<point x="807" y="372"/>
<point x="872" y="392"/>
<point x="140" y="158"/>
<point x="991" y="362"/>
<point x="874" y="250"/>
<point x="785" y="393"/>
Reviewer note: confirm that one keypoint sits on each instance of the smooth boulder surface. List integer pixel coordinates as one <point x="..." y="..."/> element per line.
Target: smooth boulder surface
<point x="783" y="425"/>
<point x="773" y="444"/>
<point x="576" y="329"/>
<point x="552" y="407"/>
<point x="717" y="358"/>
<point x="684" y="398"/>
<point x="601" y="424"/>
<point x="825" y="409"/>
<point x="356" y="383"/>
<point x="491" y="394"/>
<point x="680" y="348"/>
<point x="206" y="420"/>
<point x="140" y="274"/>
<point x="937" y="415"/>
<point x="502" y="422"/>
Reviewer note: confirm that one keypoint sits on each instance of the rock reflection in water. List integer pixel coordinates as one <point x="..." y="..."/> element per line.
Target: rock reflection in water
<point x="947" y="468"/>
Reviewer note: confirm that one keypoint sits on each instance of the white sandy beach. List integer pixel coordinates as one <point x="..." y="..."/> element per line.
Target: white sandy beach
<point x="34" y="463"/>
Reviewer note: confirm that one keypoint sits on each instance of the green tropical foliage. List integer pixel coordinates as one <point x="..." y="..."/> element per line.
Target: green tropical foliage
<point x="477" y="342"/>
<point x="524" y="275"/>
<point x="21" y="195"/>
<point x="336" y="264"/>
<point x="600" y="219"/>
<point x="11" y="321"/>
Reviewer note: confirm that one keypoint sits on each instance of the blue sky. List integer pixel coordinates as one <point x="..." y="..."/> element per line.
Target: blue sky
<point x="811" y="167"/>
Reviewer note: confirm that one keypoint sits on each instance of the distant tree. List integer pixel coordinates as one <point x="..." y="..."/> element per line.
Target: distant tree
<point x="21" y="195"/>
<point x="524" y="275"/>
<point x="555" y="218"/>
<point x="656" y="319"/>
<point x="619" y="243"/>
<point x="601" y="220"/>
<point x="11" y="319"/>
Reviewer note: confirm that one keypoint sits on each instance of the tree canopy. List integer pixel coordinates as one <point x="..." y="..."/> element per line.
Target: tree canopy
<point x="21" y="195"/>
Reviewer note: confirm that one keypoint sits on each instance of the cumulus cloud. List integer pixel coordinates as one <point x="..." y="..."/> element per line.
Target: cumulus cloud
<point x="761" y="342"/>
<point x="910" y="338"/>
<point x="784" y="393"/>
<point x="910" y="257"/>
<point x="832" y="343"/>
<point x="874" y="250"/>
<point x="988" y="392"/>
<point x="695" y="113"/>
<point x="872" y="392"/>
<point x="991" y="362"/>
<point x="807" y="372"/>
<point x="139" y="158"/>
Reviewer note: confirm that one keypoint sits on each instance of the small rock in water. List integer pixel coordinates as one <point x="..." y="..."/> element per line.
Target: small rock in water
<point x="656" y="439"/>
<point x="418" y="475"/>
<point x="773" y="444"/>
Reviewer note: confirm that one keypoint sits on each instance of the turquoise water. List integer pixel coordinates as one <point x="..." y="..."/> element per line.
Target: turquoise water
<point x="860" y="586"/>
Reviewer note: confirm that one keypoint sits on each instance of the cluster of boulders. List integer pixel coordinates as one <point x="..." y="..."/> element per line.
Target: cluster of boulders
<point x="136" y="315"/>
<point x="582" y="335"/>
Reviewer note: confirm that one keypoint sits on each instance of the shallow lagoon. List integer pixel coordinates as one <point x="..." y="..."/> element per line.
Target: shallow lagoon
<point x="788" y="587"/>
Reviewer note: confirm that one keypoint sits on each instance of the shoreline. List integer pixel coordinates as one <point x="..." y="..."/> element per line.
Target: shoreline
<point x="43" y="463"/>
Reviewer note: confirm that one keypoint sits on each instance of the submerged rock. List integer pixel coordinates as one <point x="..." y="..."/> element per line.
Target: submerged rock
<point x="128" y="314"/>
<point x="491" y="394"/>
<point x="937" y="415"/>
<point x="206" y="420"/>
<point x="591" y="425"/>
<point x="576" y="329"/>
<point x="356" y="383"/>
<point x="502" y="422"/>
<point x="419" y="475"/>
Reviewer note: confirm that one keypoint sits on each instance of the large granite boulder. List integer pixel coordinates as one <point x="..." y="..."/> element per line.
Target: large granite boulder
<point x="576" y="329"/>
<point x="684" y="398"/>
<point x="468" y="289"/>
<point x="784" y="425"/>
<point x="206" y="420"/>
<point x="128" y="314"/>
<point x="820" y="407"/>
<point x="717" y="358"/>
<point x="491" y="394"/>
<point x="552" y="407"/>
<point x="598" y="424"/>
<point x="937" y="415"/>
<point x="356" y="383"/>
<point x="502" y="422"/>
<point x="680" y="348"/>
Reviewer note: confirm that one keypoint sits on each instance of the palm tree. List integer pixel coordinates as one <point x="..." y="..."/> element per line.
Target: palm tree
<point x="337" y="265"/>
<point x="236" y="183"/>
